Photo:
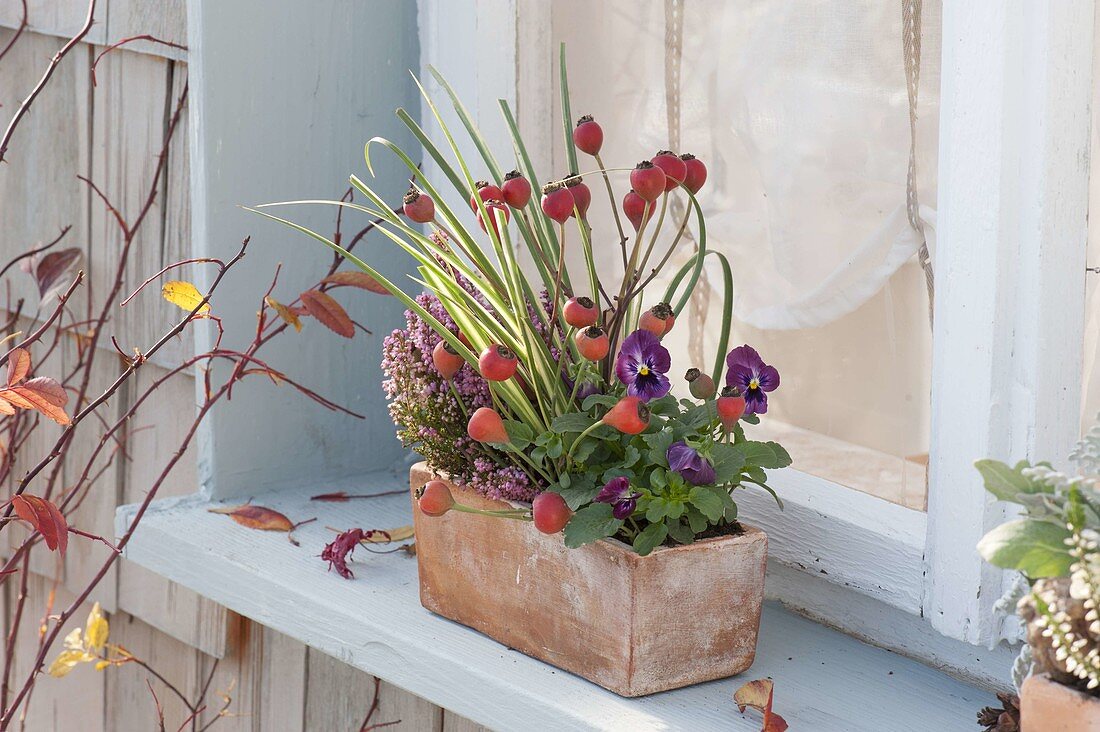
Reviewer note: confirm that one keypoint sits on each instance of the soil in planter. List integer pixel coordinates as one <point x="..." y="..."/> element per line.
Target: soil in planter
<point x="712" y="532"/>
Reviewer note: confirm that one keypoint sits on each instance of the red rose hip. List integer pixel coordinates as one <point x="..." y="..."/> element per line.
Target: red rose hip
<point x="582" y="196"/>
<point x="485" y="425"/>
<point x="696" y="172"/>
<point x="580" y="312"/>
<point x="588" y="135"/>
<point x="434" y="498"/>
<point x="516" y="190"/>
<point x="635" y="207"/>
<point x="446" y="359"/>
<point x="674" y="168"/>
<point x="658" y="320"/>
<point x="630" y="415"/>
<point x="419" y="206"/>
<point x="557" y="202"/>
<point x="550" y="512"/>
<point x="496" y="211"/>
<point x="497" y="363"/>
<point x="486" y="191"/>
<point x="592" y="343"/>
<point x="647" y="180"/>
<point x="731" y="405"/>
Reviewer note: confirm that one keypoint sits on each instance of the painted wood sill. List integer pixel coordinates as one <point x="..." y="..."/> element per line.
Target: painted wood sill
<point x="824" y="680"/>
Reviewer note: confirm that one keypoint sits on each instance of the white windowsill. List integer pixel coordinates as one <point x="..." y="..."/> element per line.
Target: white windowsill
<point x="824" y="680"/>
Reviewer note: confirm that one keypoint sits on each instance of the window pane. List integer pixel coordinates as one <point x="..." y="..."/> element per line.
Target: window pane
<point x="801" y="113"/>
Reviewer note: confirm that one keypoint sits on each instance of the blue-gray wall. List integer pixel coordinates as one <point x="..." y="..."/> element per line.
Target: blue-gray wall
<point x="282" y="103"/>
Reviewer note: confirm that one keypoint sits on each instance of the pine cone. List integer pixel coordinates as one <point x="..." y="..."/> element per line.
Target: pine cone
<point x="1005" y="719"/>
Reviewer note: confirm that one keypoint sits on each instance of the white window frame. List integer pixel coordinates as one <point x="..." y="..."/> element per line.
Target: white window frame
<point x="1009" y="303"/>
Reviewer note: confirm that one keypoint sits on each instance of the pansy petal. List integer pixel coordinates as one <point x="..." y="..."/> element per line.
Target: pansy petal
<point x="769" y="378"/>
<point x="756" y="402"/>
<point x="744" y="356"/>
<point x="739" y="375"/>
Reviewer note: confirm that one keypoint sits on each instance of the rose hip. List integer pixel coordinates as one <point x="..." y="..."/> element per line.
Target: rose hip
<point x="485" y="425"/>
<point x="647" y="180"/>
<point x="486" y="191"/>
<point x="696" y="172"/>
<point x="550" y="512"/>
<point x="731" y="405"/>
<point x="630" y="415"/>
<point x="580" y="312"/>
<point x="494" y="209"/>
<point x="674" y="168"/>
<point x="588" y="135"/>
<point x="592" y="343"/>
<point x="658" y="320"/>
<point x="582" y="196"/>
<point x="497" y="363"/>
<point x="446" y="359"/>
<point x="419" y="206"/>
<point x="516" y="190"/>
<point x="557" y="202"/>
<point x="634" y="206"/>
<point x="700" y="385"/>
<point x="434" y="498"/>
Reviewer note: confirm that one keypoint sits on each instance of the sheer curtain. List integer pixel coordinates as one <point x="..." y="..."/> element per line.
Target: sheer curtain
<point x="801" y="113"/>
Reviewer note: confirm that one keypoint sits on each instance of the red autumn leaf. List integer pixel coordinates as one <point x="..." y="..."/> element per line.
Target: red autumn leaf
<point x="337" y="497"/>
<point x="53" y="266"/>
<point x="42" y="394"/>
<point x="362" y="280"/>
<point x="256" y="517"/>
<point x="340" y="550"/>
<point x="328" y="312"/>
<point x="45" y="518"/>
<point x="19" y="365"/>
<point x="758" y="695"/>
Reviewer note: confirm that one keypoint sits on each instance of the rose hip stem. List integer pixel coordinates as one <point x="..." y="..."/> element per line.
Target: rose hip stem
<point x="557" y="273"/>
<point x="649" y="251"/>
<point x="614" y="206"/>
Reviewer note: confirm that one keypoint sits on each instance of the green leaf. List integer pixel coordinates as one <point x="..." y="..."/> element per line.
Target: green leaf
<point x="650" y="538"/>
<point x="519" y="433"/>
<point x="1007" y="483"/>
<point x="728" y="461"/>
<point x="707" y="500"/>
<point x="696" y="520"/>
<point x="658" y="442"/>
<point x="751" y="418"/>
<point x="770" y="455"/>
<point x="701" y="415"/>
<point x="589" y="524"/>
<point x="679" y="531"/>
<point x="1036" y="548"/>
<point x="658" y="509"/>
<point x="571" y="422"/>
<point x="582" y="490"/>
<point x="585" y="450"/>
<point x="604" y="400"/>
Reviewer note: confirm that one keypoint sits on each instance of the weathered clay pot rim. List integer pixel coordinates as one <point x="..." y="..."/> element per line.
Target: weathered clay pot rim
<point x="1090" y="699"/>
<point x="746" y="529"/>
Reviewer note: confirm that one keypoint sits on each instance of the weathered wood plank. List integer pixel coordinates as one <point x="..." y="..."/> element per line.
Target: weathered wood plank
<point x="166" y="20"/>
<point x="63" y="18"/>
<point x="455" y="723"/>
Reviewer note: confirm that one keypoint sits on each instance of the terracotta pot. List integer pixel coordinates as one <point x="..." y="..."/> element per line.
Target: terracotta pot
<point x="1048" y="706"/>
<point x="634" y="625"/>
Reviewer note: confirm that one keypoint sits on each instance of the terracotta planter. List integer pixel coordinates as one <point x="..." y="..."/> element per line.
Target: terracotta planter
<point x="634" y="625"/>
<point x="1048" y="706"/>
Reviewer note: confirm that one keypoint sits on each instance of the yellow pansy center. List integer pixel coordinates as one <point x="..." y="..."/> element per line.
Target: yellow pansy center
<point x="754" y="384"/>
<point x="643" y="371"/>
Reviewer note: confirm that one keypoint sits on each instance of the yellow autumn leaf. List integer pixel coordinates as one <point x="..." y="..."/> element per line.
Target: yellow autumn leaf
<point x="289" y="316"/>
<point x="184" y="295"/>
<point x="66" y="662"/>
<point x="74" y="640"/>
<point x="399" y="534"/>
<point x="100" y="665"/>
<point x="96" y="630"/>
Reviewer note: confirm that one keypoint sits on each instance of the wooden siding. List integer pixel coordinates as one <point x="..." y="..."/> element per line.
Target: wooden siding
<point x="112" y="133"/>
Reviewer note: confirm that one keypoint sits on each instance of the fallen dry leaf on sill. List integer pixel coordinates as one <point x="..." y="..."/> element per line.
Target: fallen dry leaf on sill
<point x="45" y="518"/>
<point x="256" y="517"/>
<point x="758" y="695"/>
<point x="383" y="536"/>
<point x="344" y="496"/>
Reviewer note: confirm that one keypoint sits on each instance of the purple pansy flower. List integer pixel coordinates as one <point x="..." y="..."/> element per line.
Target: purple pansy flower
<point x="642" y="364"/>
<point x="617" y="492"/>
<point x="747" y="371"/>
<point x="686" y="460"/>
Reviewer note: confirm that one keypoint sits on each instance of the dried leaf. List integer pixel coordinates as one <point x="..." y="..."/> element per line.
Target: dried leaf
<point x="19" y="365"/>
<point x="52" y="267"/>
<point x="383" y="536"/>
<point x="256" y="517"/>
<point x="329" y="312"/>
<point x="96" y="630"/>
<point x="337" y="497"/>
<point x="45" y="518"/>
<point x="362" y="280"/>
<point x="184" y="295"/>
<point x="289" y="316"/>
<point x="758" y="695"/>
<point x="43" y="394"/>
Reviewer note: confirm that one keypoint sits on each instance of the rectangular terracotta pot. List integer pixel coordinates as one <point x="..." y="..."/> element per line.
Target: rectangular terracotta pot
<point x="634" y="625"/>
<point x="1048" y="706"/>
